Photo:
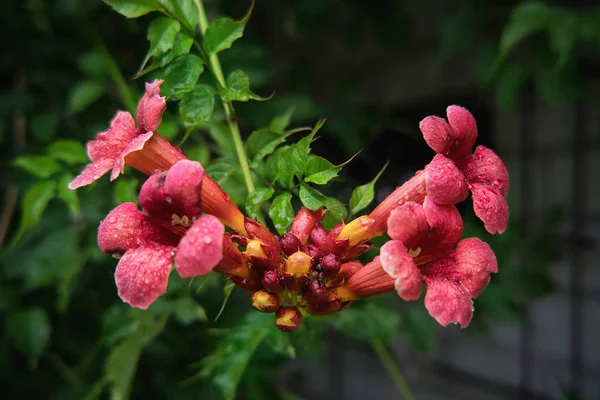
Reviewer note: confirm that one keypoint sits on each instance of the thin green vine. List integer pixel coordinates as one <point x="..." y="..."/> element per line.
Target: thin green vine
<point x="392" y="369"/>
<point x="217" y="71"/>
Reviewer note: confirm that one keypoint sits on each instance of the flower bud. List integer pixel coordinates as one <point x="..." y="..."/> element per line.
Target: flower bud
<point x="254" y="248"/>
<point x="314" y="253"/>
<point x="273" y="281"/>
<point x="266" y="302"/>
<point x="330" y="303"/>
<point x="288" y="319"/>
<point x="330" y="265"/>
<point x="248" y="284"/>
<point x="314" y="292"/>
<point x="298" y="264"/>
<point x="319" y="236"/>
<point x="289" y="244"/>
<point x="304" y="222"/>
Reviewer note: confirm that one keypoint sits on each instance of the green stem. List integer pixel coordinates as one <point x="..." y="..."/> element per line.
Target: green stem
<point x="216" y="69"/>
<point x="392" y="369"/>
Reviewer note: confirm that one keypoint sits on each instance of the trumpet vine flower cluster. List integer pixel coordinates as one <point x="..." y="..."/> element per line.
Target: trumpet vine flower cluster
<point x="309" y="270"/>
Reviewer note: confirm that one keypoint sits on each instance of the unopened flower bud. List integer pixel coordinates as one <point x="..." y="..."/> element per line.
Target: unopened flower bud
<point x="289" y="243"/>
<point x="298" y="264"/>
<point x="314" y="292"/>
<point x="330" y="265"/>
<point x="248" y="284"/>
<point x="314" y="253"/>
<point x="254" y="248"/>
<point x="266" y="302"/>
<point x="329" y="304"/>
<point x="319" y="236"/>
<point x="273" y="281"/>
<point x="288" y="319"/>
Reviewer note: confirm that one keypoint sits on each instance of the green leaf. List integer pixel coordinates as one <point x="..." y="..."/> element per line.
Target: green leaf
<point x="363" y="195"/>
<point x="526" y="19"/>
<point x="183" y="10"/>
<point x="40" y="166"/>
<point x="197" y="106"/>
<point x="280" y="123"/>
<point x="33" y="204"/>
<point x="82" y="95"/>
<point x="187" y="311"/>
<point x="220" y="133"/>
<point x="301" y="150"/>
<point x="262" y="143"/>
<point x="228" y="363"/>
<point x="311" y="198"/>
<point x="285" y="167"/>
<point x="256" y="199"/>
<point x="221" y="34"/>
<point x="559" y="87"/>
<point x="509" y="85"/>
<point x="181" y="76"/>
<point x="282" y="212"/>
<point x="67" y="195"/>
<point x="121" y="365"/>
<point x="337" y="212"/>
<point x="133" y="8"/>
<point x="199" y="152"/>
<point x="181" y="46"/>
<point x="238" y="88"/>
<point x="320" y="171"/>
<point x="161" y="34"/>
<point x="228" y="175"/>
<point x="126" y="190"/>
<point x="271" y="166"/>
<point x="227" y="290"/>
<point x="29" y="329"/>
<point x="70" y="151"/>
<point x="370" y="322"/>
<point x="563" y="35"/>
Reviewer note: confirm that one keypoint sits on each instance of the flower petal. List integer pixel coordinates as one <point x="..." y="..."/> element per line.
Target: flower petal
<point x="446" y="228"/>
<point x="398" y="264"/>
<point x="183" y="184"/>
<point x="154" y="198"/>
<point x="150" y="108"/>
<point x="136" y="144"/>
<point x="437" y="133"/>
<point x="121" y="229"/>
<point x="445" y="183"/>
<point x="91" y="173"/>
<point x="470" y="264"/>
<point x="408" y="224"/>
<point x="201" y="248"/>
<point x="448" y="302"/>
<point x="110" y="144"/>
<point x="142" y="274"/>
<point x="484" y="166"/>
<point x="490" y="206"/>
<point x="464" y="130"/>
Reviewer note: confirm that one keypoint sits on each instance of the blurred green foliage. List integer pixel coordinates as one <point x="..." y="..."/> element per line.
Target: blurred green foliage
<point x="68" y="65"/>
